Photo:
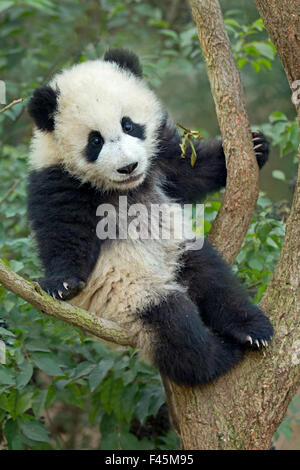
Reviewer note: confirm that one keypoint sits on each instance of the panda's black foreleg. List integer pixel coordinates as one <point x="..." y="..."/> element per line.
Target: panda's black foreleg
<point x="221" y="300"/>
<point x="183" y="349"/>
<point x="62" y="212"/>
<point x="186" y="183"/>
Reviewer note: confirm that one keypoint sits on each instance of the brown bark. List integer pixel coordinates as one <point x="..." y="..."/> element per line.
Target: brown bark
<point x="243" y="409"/>
<point x="282" y="21"/>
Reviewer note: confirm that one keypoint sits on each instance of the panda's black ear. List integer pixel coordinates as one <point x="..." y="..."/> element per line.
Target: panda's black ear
<point x="125" y="59"/>
<point x="42" y="107"/>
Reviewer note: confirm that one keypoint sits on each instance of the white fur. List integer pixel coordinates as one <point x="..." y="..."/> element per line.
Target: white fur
<point x="96" y="95"/>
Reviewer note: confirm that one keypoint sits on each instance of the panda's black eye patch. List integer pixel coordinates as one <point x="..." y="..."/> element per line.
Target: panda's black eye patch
<point x="94" y="146"/>
<point x="132" y="128"/>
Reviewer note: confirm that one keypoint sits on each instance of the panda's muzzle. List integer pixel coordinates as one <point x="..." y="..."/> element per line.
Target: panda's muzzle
<point x="127" y="169"/>
<point x="130" y="179"/>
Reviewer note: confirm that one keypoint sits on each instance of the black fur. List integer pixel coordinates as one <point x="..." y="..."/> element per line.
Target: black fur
<point x="189" y="184"/>
<point x="138" y="130"/>
<point x="94" y="146"/>
<point x="126" y="59"/>
<point x="224" y="306"/>
<point x="62" y="211"/>
<point x="42" y="107"/>
<point x="185" y="350"/>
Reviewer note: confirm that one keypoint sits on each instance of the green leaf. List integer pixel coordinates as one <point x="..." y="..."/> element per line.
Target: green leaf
<point x="37" y="345"/>
<point x="232" y="22"/>
<point x="51" y="396"/>
<point x="271" y="242"/>
<point x="110" y="396"/>
<point x="128" y="400"/>
<point x="47" y="363"/>
<point x="170" y="33"/>
<point x="25" y="375"/>
<point x="16" y="266"/>
<point x="99" y="372"/>
<point x="265" y="63"/>
<point x="277" y="116"/>
<point x="39" y="402"/>
<point x="5" y="5"/>
<point x="11" y="432"/>
<point x="264" y="49"/>
<point x="5" y="332"/>
<point x="130" y="442"/>
<point x="255" y="263"/>
<point x="35" y="430"/>
<point x="278" y="174"/>
<point x="110" y="441"/>
<point x="242" y="62"/>
<point x="6" y="376"/>
<point x="256" y="66"/>
<point x="23" y="403"/>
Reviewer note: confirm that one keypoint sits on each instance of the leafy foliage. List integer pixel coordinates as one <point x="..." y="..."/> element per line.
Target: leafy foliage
<point x="257" y="53"/>
<point x="284" y="134"/>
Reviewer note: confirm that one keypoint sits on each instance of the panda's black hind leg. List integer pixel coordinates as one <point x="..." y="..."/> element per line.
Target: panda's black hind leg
<point x="183" y="349"/>
<point x="221" y="300"/>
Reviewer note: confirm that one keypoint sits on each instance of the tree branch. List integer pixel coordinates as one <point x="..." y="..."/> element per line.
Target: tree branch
<point x="239" y="201"/>
<point x="32" y="293"/>
<point x="10" y="105"/>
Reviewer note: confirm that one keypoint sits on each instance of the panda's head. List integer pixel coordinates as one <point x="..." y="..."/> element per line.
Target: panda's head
<point x="99" y="120"/>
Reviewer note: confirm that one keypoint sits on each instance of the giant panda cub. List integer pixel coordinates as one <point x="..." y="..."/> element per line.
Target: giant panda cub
<point x="101" y="133"/>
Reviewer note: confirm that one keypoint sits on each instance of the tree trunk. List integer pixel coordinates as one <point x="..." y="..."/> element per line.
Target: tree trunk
<point x="243" y="409"/>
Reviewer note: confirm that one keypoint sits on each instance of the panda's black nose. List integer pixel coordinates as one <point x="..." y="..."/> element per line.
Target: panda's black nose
<point x="126" y="170"/>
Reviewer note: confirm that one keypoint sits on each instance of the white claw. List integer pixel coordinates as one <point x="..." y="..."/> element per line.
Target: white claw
<point x="66" y="286"/>
<point x="248" y="338"/>
<point x="53" y="295"/>
<point x="266" y="344"/>
<point x="60" y="294"/>
<point x="257" y="343"/>
<point x="258" y="153"/>
<point x="256" y="139"/>
<point x="258" y="146"/>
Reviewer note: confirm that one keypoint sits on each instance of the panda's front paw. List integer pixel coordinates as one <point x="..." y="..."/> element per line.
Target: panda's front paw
<point x="62" y="288"/>
<point x="261" y="147"/>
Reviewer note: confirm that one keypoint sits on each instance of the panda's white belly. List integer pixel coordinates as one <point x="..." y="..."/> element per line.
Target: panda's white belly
<point x="130" y="275"/>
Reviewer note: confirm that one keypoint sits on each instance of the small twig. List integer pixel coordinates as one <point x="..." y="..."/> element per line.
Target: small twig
<point x="188" y="136"/>
<point x="10" y="190"/>
<point x="10" y="105"/>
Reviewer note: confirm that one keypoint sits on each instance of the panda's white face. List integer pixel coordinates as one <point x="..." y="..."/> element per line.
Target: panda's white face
<point x="105" y="126"/>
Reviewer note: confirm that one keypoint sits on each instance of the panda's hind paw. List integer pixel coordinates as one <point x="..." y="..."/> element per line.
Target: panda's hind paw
<point x="61" y="288"/>
<point x="258" y="343"/>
